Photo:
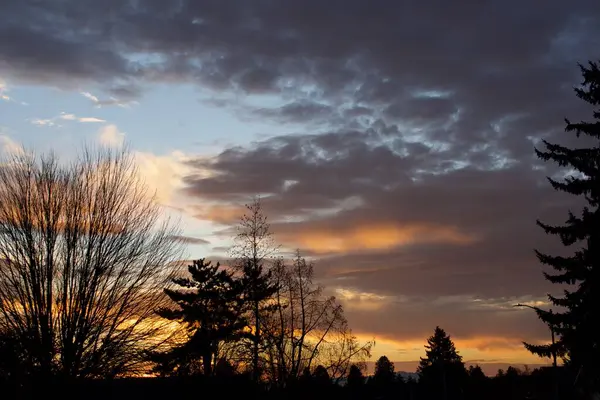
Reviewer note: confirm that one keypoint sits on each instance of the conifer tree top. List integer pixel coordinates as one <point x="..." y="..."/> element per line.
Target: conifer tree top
<point x="573" y="320"/>
<point x="439" y="350"/>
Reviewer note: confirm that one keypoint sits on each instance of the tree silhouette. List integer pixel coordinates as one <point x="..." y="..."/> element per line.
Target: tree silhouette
<point x="475" y="372"/>
<point x="253" y="247"/>
<point x="384" y="370"/>
<point x="442" y="369"/>
<point x="477" y="386"/>
<point x="321" y="376"/>
<point x="355" y="383"/>
<point x="307" y="328"/>
<point x="209" y="306"/>
<point x="383" y="382"/>
<point x="84" y="258"/>
<point x="575" y="323"/>
<point x="355" y="379"/>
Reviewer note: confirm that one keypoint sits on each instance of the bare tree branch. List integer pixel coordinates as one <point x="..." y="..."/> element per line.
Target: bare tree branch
<point x="85" y="257"/>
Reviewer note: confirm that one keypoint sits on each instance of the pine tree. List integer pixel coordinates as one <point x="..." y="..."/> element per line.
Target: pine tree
<point x="442" y="366"/>
<point x="209" y="307"/>
<point x="440" y="350"/>
<point x="578" y="339"/>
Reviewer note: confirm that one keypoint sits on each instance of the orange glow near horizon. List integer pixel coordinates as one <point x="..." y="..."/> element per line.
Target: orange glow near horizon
<point x="477" y="350"/>
<point x="219" y="213"/>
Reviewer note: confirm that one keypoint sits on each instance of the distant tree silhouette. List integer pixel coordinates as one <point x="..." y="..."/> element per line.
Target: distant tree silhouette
<point x="307" y="327"/>
<point x="355" y="378"/>
<point x="355" y="383"/>
<point x="209" y="307"/>
<point x="477" y="383"/>
<point x="383" y="383"/>
<point x="575" y="325"/>
<point x="384" y="370"/>
<point x="512" y="372"/>
<point x="442" y="369"/>
<point x="253" y="248"/>
<point x="475" y="372"/>
<point x="412" y="386"/>
<point x="84" y="259"/>
<point x="321" y="376"/>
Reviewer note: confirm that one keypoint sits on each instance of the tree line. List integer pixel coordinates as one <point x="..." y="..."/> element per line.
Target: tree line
<point x="90" y="288"/>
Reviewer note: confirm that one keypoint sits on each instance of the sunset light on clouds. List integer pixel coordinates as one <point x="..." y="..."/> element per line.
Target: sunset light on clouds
<point x="410" y="182"/>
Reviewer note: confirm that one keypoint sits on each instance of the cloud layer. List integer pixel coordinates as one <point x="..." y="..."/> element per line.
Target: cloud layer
<point x="405" y="161"/>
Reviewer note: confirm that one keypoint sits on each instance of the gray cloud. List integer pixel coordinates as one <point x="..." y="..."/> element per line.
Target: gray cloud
<point x="465" y="318"/>
<point x="410" y="114"/>
<point x="298" y="112"/>
<point x="190" y="240"/>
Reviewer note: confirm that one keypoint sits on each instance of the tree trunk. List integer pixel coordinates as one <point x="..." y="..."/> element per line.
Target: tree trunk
<point x="255" y="371"/>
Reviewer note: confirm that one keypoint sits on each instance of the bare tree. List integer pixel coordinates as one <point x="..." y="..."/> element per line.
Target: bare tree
<point x="342" y="350"/>
<point x="84" y="262"/>
<point x="308" y="327"/>
<point x="253" y="248"/>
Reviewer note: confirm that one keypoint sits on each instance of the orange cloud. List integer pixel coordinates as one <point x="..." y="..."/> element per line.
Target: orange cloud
<point x="224" y="214"/>
<point x="363" y="301"/>
<point x="376" y="237"/>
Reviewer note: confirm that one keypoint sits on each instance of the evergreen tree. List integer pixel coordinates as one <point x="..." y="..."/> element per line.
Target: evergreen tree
<point x="440" y="351"/>
<point x="356" y="379"/>
<point x="384" y="380"/>
<point x="384" y="370"/>
<point x="578" y="339"/>
<point x="442" y="369"/>
<point x="209" y="307"/>
<point x="253" y="248"/>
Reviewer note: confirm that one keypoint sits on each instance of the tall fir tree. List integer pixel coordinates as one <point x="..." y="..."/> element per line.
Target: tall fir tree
<point x="209" y="305"/>
<point x="579" y="307"/>
<point x="442" y="370"/>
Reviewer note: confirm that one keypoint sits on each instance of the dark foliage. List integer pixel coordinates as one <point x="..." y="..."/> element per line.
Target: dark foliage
<point x="253" y="249"/>
<point x="442" y="371"/>
<point x="512" y="385"/>
<point x="384" y="382"/>
<point x="209" y="305"/>
<point x="578" y="340"/>
<point x="355" y="379"/>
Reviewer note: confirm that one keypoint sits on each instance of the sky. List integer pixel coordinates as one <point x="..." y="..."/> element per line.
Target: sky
<point x="391" y="142"/>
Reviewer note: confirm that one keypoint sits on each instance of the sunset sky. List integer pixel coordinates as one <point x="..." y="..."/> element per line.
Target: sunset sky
<point x="391" y="141"/>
